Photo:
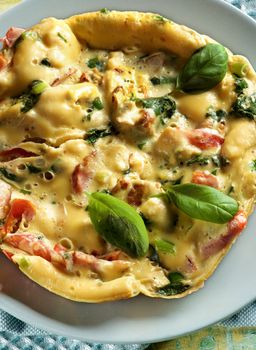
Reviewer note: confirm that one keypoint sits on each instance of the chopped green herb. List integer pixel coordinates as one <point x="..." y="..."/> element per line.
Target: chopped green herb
<point x="31" y="95"/>
<point x="23" y="263"/>
<point x="176" y="285"/>
<point x="45" y="62"/>
<point x="62" y="37"/>
<point x="94" y="134"/>
<point x="27" y="35"/>
<point x="198" y="160"/>
<point x="220" y="161"/>
<point x="219" y="115"/>
<point x="245" y="106"/>
<point x="142" y="144"/>
<point x="96" y="63"/>
<point x="162" y="80"/>
<point x="240" y="85"/>
<point x="164" y="107"/>
<point x="253" y="165"/>
<point x="230" y="190"/>
<point x="239" y="69"/>
<point x="127" y="171"/>
<point x="97" y="104"/>
<point x="9" y="175"/>
<point x="105" y="10"/>
<point x="33" y="169"/>
<point x="214" y="172"/>
<point x="161" y="19"/>
<point x="164" y="246"/>
<point x="24" y="191"/>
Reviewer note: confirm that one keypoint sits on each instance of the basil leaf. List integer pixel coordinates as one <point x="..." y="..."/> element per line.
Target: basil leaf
<point x="118" y="223"/>
<point x="205" y="69"/>
<point x="203" y="202"/>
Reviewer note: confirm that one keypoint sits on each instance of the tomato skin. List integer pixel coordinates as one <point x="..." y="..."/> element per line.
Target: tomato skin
<point x="238" y="223"/>
<point x="205" y="138"/>
<point x="205" y="178"/>
<point x="82" y="174"/>
<point x="19" y="209"/>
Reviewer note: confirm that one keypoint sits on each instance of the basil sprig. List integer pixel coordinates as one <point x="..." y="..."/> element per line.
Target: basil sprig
<point x="205" y="69"/>
<point x="118" y="223"/>
<point x="203" y="202"/>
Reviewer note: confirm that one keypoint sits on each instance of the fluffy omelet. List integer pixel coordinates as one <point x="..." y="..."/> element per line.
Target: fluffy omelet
<point x="91" y="104"/>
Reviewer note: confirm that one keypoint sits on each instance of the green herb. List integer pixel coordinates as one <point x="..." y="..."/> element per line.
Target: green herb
<point x="231" y="189"/>
<point x="23" y="263"/>
<point x="160" y="19"/>
<point x="118" y="223"/>
<point x="62" y="37"/>
<point x="31" y="95"/>
<point x="27" y="35"/>
<point x="245" y="106"/>
<point x="153" y="255"/>
<point x="105" y="10"/>
<point x="219" y="115"/>
<point x="239" y="69"/>
<point x="127" y="171"/>
<point x="202" y="202"/>
<point x="24" y="191"/>
<point x="240" y="85"/>
<point x="45" y="62"/>
<point x="95" y="63"/>
<point x="164" y="107"/>
<point x="9" y="175"/>
<point x="33" y="169"/>
<point x="97" y="104"/>
<point x="162" y="80"/>
<point x="94" y="134"/>
<point x="205" y="69"/>
<point x="142" y="144"/>
<point x="176" y="286"/>
<point x="214" y="172"/>
<point x="165" y="247"/>
<point x="220" y="161"/>
<point x="253" y="165"/>
<point x="198" y="160"/>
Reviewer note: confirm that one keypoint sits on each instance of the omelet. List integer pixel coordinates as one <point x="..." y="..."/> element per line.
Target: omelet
<point x="127" y="151"/>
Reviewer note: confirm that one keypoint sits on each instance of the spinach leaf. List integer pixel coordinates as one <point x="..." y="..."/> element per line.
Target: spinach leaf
<point x="198" y="160"/>
<point x="176" y="286"/>
<point x="45" y="62"/>
<point x="203" y="202"/>
<point x="9" y="175"/>
<point x="219" y="115"/>
<point x="164" y="107"/>
<point x="31" y="95"/>
<point x="245" y="106"/>
<point x="153" y="255"/>
<point x="205" y="69"/>
<point x="253" y="165"/>
<point x="33" y="169"/>
<point x="95" y="63"/>
<point x="118" y="223"/>
<point x="240" y="85"/>
<point x="94" y="134"/>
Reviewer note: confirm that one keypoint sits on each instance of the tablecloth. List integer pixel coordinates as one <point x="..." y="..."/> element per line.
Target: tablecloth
<point x="236" y="333"/>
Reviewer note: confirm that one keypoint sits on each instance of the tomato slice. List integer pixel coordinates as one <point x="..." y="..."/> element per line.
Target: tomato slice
<point x="20" y="209"/>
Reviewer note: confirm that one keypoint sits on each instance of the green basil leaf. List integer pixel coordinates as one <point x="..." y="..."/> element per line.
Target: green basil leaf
<point x="205" y="69"/>
<point x="118" y="223"/>
<point x="203" y="202"/>
<point x="164" y="246"/>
